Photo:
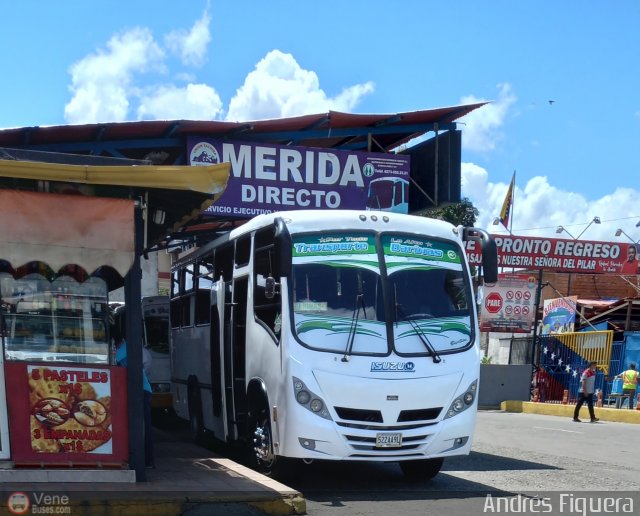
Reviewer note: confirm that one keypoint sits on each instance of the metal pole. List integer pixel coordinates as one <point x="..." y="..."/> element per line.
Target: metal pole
<point x="133" y="304"/>
<point x="534" y="340"/>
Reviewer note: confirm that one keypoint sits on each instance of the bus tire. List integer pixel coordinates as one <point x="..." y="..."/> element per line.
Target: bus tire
<point x="196" y="424"/>
<point x="260" y="445"/>
<point x="424" y="469"/>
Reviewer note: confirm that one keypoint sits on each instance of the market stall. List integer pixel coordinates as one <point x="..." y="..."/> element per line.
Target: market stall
<point x="70" y="235"/>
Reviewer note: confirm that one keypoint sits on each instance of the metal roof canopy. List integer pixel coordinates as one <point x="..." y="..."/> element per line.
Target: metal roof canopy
<point x="623" y="314"/>
<point x="435" y="163"/>
<point x="376" y="132"/>
<point x="173" y="196"/>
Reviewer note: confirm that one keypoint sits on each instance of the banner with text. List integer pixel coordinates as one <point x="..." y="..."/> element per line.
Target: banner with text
<point x="67" y="413"/>
<point x="267" y="178"/>
<point x="508" y="306"/>
<point x="560" y="254"/>
<point x="559" y="315"/>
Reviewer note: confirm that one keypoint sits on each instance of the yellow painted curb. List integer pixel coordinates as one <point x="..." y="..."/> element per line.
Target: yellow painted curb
<point x="558" y="409"/>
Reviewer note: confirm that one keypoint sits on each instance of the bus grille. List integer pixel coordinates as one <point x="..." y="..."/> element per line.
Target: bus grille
<point x="419" y="415"/>
<point x="375" y="416"/>
<point x="368" y="423"/>
<point x="351" y="414"/>
<point x="368" y="444"/>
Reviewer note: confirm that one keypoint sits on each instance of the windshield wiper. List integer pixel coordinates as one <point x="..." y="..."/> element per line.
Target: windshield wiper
<point x="354" y="325"/>
<point x="420" y="333"/>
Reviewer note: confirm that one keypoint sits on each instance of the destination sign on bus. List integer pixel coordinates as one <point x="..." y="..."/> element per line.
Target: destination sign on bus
<point x="266" y="178"/>
<point x="315" y="245"/>
<point x="419" y="248"/>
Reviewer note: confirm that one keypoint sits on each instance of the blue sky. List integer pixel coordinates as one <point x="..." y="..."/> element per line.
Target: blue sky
<point x="75" y="62"/>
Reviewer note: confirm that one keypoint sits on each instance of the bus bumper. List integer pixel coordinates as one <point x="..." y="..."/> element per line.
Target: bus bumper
<point x="328" y="440"/>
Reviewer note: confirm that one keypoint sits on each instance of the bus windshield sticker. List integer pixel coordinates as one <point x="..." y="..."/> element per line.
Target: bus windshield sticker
<point x="332" y="245"/>
<point x="417" y="248"/>
<point x="310" y="306"/>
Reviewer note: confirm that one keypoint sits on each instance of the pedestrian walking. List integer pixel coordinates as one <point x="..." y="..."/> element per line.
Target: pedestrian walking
<point x="587" y="387"/>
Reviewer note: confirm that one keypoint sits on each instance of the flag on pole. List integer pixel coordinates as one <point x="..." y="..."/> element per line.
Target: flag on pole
<point x="507" y="205"/>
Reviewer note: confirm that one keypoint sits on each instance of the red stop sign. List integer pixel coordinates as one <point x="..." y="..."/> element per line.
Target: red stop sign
<point x="493" y="302"/>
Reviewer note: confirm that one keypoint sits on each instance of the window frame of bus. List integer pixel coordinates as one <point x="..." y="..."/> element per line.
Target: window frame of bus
<point x="182" y="295"/>
<point x="265" y="310"/>
<point x="205" y="280"/>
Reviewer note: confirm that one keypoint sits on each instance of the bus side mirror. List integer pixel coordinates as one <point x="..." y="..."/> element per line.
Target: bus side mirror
<point x="282" y="245"/>
<point x="490" y="261"/>
<point x="489" y="252"/>
<point x="271" y="287"/>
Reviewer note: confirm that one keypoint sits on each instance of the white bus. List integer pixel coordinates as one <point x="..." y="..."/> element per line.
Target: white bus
<point x="333" y="335"/>
<point x="155" y="315"/>
<point x="155" y="341"/>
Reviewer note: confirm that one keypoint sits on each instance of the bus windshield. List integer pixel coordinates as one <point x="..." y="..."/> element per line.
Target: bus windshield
<point x="431" y="297"/>
<point x="337" y="294"/>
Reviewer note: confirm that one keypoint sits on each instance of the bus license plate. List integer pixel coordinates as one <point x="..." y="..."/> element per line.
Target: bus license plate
<point x="388" y="440"/>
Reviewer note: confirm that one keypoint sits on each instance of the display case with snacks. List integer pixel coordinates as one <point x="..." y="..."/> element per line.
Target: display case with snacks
<point x="55" y="321"/>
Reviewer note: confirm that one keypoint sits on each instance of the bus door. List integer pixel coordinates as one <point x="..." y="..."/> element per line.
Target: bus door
<point x="4" y="420"/>
<point x="234" y="357"/>
<point x="217" y="318"/>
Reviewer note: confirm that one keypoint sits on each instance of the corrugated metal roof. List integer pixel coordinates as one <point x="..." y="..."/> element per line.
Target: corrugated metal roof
<point x="332" y="129"/>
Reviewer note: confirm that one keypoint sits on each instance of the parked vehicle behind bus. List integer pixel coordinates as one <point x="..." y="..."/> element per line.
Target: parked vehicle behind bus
<point x="155" y="314"/>
<point x="331" y="335"/>
<point x="155" y="340"/>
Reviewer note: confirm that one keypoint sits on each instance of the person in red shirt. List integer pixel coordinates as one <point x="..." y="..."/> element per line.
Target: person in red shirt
<point x="630" y="265"/>
<point x="587" y="388"/>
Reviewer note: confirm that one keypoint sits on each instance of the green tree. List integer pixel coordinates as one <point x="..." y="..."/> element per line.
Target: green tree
<point x="462" y="213"/>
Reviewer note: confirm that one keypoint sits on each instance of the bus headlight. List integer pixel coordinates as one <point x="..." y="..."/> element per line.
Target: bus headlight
<point x="303" y="397"/>
<point x="464" y="401"/>
<point x="309" y="400"/>
<point x="316" y="405"/>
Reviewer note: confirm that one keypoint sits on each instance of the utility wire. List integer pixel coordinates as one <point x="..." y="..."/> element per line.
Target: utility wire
<point x="572" y="304"/>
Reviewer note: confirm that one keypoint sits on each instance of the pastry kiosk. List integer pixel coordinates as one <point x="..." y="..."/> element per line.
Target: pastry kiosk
<point x="65" y="243"/>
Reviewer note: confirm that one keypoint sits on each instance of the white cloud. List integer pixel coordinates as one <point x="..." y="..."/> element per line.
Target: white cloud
<point x="191" y="46"/>
<point x="280" y="87"/>
<point x="482" y="130"/>
<point x="101" y="83"/>
<point x="193" y="102"/>
<point x="539" y="208"/>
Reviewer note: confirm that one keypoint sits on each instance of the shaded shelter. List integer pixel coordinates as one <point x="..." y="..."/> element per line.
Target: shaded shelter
<point x="98" y="220"/>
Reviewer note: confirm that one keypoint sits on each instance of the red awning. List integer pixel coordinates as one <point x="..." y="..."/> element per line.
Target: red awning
<point x="66" y="229"/>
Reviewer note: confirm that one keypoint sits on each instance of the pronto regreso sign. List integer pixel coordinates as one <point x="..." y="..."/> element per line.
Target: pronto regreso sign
<point x="266" y="178"/>
<point x="559" y="254"/>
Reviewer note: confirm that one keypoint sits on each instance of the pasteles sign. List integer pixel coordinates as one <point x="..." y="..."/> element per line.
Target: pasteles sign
<point x="70" y="412"/>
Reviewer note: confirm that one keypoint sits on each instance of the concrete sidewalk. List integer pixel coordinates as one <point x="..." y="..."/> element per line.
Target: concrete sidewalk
<point x="187" y="478"/>
<point x="622" y="415"/>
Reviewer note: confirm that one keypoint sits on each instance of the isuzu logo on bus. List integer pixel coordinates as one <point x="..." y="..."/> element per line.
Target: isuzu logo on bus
<point x="406" y="367"/>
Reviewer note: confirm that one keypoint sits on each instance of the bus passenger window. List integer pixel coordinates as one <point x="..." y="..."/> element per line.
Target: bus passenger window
<point x="224" y="263"/>
<point x="267" y="310"/>
<point x="243" y="250"/>
<point x="204" y="284"/>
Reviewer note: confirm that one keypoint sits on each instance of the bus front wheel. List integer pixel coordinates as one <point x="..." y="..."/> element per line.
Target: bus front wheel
<point x="262" y="448"/>
<point x="421" y="469"/>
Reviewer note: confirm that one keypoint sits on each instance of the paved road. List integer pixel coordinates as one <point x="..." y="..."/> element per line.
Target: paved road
<point x="512" y="453"/>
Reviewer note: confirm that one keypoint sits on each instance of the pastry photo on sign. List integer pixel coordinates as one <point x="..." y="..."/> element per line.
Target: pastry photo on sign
<point x="69" y="416"/>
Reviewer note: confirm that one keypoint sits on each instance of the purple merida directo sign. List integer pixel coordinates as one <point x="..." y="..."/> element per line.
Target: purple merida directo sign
<point x="267" y="178"/>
